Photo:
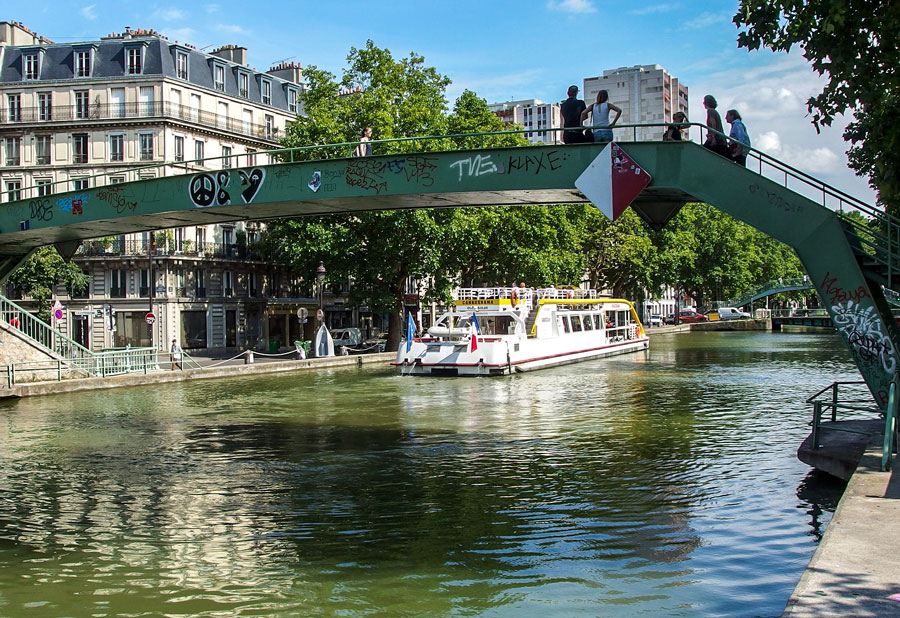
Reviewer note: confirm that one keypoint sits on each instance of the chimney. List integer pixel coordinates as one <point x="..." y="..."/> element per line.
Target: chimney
<point x="288" y="71"/>
<point x="232" y="53"/>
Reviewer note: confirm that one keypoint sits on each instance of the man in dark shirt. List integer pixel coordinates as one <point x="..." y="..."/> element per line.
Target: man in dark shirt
<point x="570" y="110"/>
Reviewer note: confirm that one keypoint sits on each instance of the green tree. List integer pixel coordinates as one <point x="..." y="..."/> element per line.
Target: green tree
<point x="41" y="272"/>
<point x="620" y="254"/>
<point x="854" y="44"/>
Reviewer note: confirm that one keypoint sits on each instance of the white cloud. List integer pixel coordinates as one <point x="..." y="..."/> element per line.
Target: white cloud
<point x="170" y="14"/>
<point x="705" y="20"/>
<point x="572" y="6"/>
<point x="231" y="29"/>
<point x="654" y="8"/>
<point x="184" y="35"/>
<point x="88" y="12"/>
<point x="211" y="8"/>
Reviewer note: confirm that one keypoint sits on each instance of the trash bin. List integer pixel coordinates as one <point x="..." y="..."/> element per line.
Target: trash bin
<point x="274" y="344"/>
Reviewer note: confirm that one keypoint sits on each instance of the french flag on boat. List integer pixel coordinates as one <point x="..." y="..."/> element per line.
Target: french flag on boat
<point x="473" y="334"/>
<point x="410" y="331"/>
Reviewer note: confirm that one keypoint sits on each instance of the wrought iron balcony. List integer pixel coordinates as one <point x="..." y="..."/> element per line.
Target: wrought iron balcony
<point x="140" y="248"/>
<point x="135" y="110"/>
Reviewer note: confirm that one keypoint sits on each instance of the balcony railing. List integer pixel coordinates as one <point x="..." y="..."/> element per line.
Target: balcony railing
<point x="139" y="248"/>
<point x="135" y="110"/>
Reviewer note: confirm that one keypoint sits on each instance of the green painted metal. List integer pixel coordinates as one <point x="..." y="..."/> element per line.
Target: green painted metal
<point x="827" y="246"/>
<point x="889" y="429"/>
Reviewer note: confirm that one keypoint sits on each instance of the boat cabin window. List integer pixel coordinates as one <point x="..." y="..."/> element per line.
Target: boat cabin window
<point x="588" y="322"/>
<point x="598" y="321"/>
<point x="576" y="323"/>
<point x="565" y="323"/>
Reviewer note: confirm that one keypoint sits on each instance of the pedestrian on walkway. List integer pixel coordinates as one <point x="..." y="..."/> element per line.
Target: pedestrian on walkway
<point x="599" y="112"/>
<point x="177" y="354"/>
<point x="739" y="146"/>
<point x="364" y="149"/>
<point x="673" y="131"/>
<point x="570" y="110"/>
<point x="714" y="140"/>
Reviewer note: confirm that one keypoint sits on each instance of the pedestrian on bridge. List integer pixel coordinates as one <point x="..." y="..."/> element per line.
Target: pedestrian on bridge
<point x="715" y="141"/>
<point x="599" y="111"/>
<point x="739" y="146"/>
<point x="570" y="110"/>
<point x="673" y="131"/>
<point x="364" y="149"/>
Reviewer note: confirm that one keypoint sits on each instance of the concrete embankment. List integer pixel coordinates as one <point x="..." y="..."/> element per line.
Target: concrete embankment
<point x="856" y="569"/>
<point x="202" y="373"/>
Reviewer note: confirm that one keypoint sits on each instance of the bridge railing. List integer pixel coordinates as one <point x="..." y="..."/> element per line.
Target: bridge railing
<point x="41" y="333"/>
<point x="773" y="287"/>
<point x="882" y="239"/>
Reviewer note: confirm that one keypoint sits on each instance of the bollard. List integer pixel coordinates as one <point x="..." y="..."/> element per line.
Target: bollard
<point x="248" y="357"/>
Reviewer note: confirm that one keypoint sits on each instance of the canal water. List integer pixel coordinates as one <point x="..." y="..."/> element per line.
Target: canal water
<point x="658" y="483"/>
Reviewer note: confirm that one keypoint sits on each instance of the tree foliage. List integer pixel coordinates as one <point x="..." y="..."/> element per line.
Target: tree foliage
<point x="40" y="272"/>
<point x="854" y="44"/>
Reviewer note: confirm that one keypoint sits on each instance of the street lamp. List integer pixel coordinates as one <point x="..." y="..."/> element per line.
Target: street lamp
<point x="320" y="277"/>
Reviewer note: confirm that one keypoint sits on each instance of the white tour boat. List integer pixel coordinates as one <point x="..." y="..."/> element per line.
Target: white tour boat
<point x="495" y="331"/>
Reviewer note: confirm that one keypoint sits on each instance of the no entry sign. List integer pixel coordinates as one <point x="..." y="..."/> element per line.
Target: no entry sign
<point x="150" y="319"/>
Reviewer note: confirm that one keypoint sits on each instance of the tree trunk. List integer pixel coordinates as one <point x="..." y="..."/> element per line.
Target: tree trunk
<point x="396" y="320"/>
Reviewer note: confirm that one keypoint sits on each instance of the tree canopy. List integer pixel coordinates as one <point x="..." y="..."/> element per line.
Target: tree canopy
<point x="854" y="44"/>
<point x="40" y="272"/>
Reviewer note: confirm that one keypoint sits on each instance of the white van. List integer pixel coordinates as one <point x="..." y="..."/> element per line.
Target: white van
<point x="731" y="313"/>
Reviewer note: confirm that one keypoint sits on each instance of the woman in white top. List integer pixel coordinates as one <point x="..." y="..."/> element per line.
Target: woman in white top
<point x="600" y="111"/>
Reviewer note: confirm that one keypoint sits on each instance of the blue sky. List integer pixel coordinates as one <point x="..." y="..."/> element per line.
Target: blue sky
<point x="504" y="50"/>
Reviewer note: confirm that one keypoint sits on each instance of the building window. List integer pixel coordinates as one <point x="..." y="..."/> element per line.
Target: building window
<point x="117" y="147"/>
<point x="82" y="63"/>
<point x="13" y="190"/>
<point x="45" y="106"/>
<point x="79" y="148"/>
<point x="199" y="150"/>
<point x="82" y="103"/>
<point x="228" y="282"/>
<point x="266" y="92"/>
<point x="42" y="149"/>
<point x="117" y="283"/>
<point x="44" y="186"/>
<point x="292" y="100"/>
<point x="200" y="283"/>
<point x="146" y="140"/>
<point x="180" y="288"/>
<point x="134" y="60"/>
<point x="117" y="180"/>
<point x="80" y="184"/>
<point x="244" y="84"/>
<point x="14" y="107"/>
<point x="144" y="290"/>
<point x="226" y="157"/>
<point x="193" y="329"/>
<point x="200" y="238"/>
<point x="251" y="157"/>
<point x="181" y="65"/>
<point x="179" y="148"/>
<point x="31" y="66"/>
<point x="270" y="126"/>
<point x="219" y="77"/>
<point x="13" y="150"/>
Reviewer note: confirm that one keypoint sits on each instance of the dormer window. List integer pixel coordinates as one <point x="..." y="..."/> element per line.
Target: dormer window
<point x="134" y="57"/>
<point x="219" y="77"/>
<point x="266" y="92"/>
<point x="83" y="63"/>
<point x="181" y="65"/>
<point x="31" y="66"/>
<point x="292" y="96"/>
<point x="244" y="84"/>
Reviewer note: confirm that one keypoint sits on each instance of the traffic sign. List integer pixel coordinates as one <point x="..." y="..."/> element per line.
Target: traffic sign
<point x="320" y="314"/>
<point x="302" y="313"/>
<point x="150" y="319"/>
<point x="57" y="313"/>
<point x="612" y="181"/>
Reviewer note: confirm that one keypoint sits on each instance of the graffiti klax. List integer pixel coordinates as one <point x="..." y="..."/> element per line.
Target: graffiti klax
<point x="862" y="328"/>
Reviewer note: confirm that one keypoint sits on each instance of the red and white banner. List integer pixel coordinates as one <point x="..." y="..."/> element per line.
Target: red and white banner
<point x="612" y="181"/>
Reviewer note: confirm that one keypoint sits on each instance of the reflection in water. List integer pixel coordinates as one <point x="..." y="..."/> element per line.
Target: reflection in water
<point x="661" y="482"/>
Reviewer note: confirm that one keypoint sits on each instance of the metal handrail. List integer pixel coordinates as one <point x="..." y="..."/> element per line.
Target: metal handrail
<point x="835" y="404"/>
<point x="40" y="332"/>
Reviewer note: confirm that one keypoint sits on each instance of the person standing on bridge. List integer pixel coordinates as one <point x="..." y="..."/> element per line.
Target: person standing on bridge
<point x="714" y="141"/>
<point x="739" y="146"/>
<point x="673" y="131"/>
<point x="364" y="149"/>
<point x="600" y="113"/>
<point x="571" y="110"/>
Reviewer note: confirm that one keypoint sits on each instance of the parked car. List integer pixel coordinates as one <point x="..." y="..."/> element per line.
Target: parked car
<point x="731" y="313"/>
<point x="689" y="317"/>
<point x="669" y="319"/>
<point x="655" y="320"/>
<point x="346" y="338"/>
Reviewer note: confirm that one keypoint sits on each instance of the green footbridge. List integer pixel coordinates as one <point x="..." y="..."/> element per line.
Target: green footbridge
<point x="850" y="265"/>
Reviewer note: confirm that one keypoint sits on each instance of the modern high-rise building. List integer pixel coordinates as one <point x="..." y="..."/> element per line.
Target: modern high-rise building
<point x="535" y="117"/>
<point x="98" y="113"/>
<point x="645" y="93"/>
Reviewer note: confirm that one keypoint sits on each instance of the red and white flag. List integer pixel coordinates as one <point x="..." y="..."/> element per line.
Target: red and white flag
<point x="473" y="337"/>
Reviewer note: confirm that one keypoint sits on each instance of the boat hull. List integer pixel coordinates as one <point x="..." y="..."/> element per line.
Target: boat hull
<point x="504" y="356"/>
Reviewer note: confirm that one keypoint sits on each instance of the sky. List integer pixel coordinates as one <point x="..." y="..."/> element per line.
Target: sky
<point x="503" y="50"/>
